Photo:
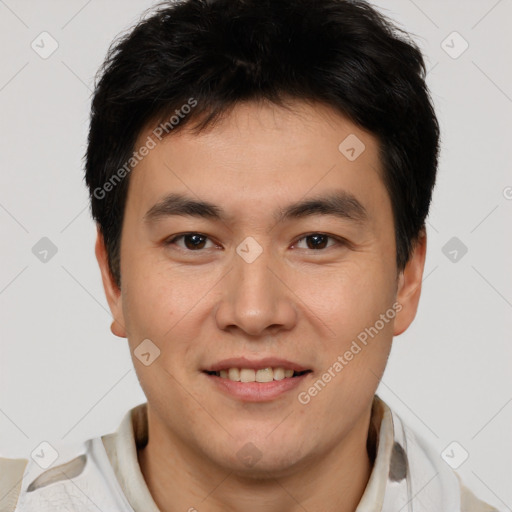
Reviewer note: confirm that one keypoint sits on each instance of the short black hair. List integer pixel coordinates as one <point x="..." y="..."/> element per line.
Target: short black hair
<point x="212" y="55"/>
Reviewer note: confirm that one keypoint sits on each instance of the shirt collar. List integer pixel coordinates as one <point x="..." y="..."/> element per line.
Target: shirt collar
<point x="121" y="447"/>
<point x="132" y="434"/>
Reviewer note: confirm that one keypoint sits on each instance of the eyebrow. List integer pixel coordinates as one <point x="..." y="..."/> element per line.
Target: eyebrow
<point x="340" y="204"/>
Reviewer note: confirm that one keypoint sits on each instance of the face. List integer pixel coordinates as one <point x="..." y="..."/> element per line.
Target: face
<point x="274" y="256"/>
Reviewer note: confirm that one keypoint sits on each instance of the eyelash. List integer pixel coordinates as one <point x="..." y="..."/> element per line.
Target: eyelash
<point x="338" y="240"/>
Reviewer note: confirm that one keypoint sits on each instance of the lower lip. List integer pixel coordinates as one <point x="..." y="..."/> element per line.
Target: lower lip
<point x="256" y="391"/>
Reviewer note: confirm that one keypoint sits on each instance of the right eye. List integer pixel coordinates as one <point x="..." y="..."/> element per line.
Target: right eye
<point x="192" y="242"/>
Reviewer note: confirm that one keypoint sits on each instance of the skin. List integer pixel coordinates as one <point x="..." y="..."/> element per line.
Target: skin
<point x="294" y="301"/>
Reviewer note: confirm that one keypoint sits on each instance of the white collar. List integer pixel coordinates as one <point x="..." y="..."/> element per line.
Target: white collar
<point x="407" y="474"/>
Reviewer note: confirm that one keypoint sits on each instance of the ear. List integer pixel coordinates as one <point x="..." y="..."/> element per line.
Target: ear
<point x="409" y="285"/>
<point x="112" y="292"/>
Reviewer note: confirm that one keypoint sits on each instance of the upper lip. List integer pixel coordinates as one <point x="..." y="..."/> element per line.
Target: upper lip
<point x="256" y="364"/>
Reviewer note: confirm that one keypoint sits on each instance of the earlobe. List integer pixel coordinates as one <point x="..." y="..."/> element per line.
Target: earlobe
<point x="409" y="285"/>
<point x="112" y="292"/>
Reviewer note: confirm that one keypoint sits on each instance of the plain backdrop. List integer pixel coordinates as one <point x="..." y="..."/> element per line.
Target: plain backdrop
<point x="64" y="376"/>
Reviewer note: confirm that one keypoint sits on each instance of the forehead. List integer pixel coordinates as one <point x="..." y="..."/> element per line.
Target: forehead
<point x="259" y="156"/>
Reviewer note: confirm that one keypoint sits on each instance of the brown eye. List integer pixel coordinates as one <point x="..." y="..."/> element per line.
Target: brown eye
<point x="317" y="241"/>
<point x="191" y="241"/>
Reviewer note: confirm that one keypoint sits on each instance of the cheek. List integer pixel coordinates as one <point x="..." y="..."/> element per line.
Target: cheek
<point x="153" y="302"/>
<point x="169" y="307"/>
<point x="347" y="298"/>
<point x="351" y="304"/>
<point x="156" y="310"/>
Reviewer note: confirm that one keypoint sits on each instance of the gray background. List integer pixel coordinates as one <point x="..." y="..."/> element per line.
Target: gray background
<point x="64" y="376"/>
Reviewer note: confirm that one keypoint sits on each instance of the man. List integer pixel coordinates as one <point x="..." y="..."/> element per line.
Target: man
<point x="260" y="173"/>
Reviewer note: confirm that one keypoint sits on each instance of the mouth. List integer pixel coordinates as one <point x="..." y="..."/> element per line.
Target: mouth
<point x="268" y="374"/>
<point x="256" y="381"/>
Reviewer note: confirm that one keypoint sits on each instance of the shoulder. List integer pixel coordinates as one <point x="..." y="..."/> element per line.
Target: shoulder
<point x="469" y="502"/>
<point x="425" y="465"/>
<point x="76" y="476"/>
<point x="11" y="477"/>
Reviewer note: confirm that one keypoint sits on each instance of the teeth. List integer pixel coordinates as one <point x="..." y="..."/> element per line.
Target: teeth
<point x="234" y="374"/>
<point x="278" y="373"/>
<point x="265" y="375"/>
<point x="247" y="375"/>
<point x="251" y="375"/>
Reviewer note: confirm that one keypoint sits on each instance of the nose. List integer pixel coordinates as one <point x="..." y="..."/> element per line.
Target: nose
<point x="255" y="298"/>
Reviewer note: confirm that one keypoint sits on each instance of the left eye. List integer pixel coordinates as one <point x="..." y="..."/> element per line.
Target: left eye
<point x="317" y="241"/>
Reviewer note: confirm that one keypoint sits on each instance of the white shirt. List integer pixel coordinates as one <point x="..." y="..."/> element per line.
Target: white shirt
<point x="103" y="473"/>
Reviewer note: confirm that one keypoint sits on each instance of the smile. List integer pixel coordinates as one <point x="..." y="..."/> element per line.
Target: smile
<point x="262" y="375"/>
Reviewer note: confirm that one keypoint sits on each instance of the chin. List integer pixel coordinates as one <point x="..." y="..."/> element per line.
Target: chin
<point x="265" y="468"/>
<point x="262" y="458"/>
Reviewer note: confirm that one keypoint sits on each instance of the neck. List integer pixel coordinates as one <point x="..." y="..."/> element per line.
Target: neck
<point x="179" y="480"/>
